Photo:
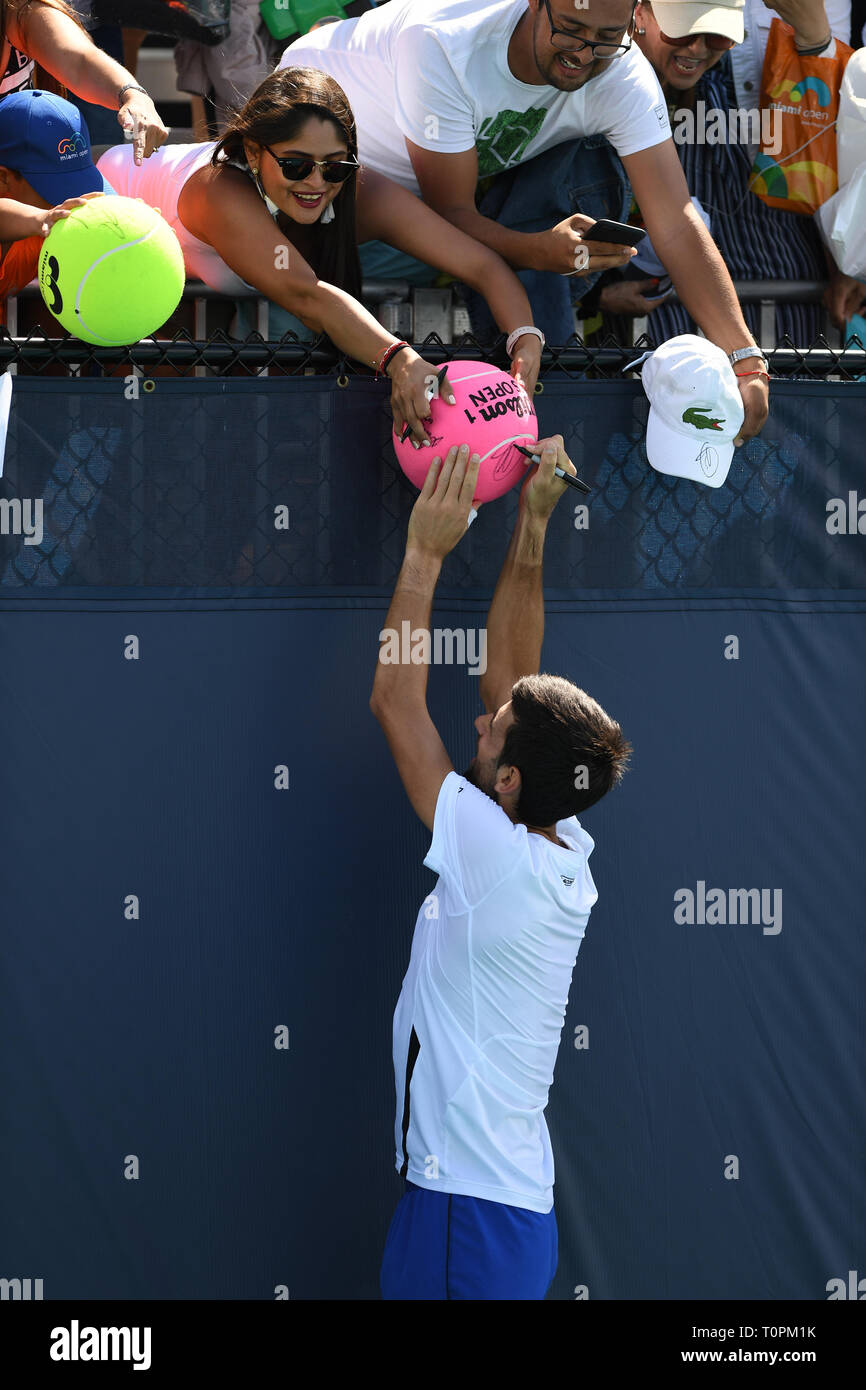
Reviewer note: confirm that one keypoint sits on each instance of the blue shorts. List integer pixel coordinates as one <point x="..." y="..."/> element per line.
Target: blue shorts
<point x="441" y="1245"/>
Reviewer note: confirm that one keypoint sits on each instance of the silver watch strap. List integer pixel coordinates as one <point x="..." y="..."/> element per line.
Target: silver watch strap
<point x="739" y="353"/>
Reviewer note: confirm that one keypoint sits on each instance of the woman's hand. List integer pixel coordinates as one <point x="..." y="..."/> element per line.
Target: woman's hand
<point x="526" y="362"/>
<point x="411" y="378"/>
<point x="141" y="124"/>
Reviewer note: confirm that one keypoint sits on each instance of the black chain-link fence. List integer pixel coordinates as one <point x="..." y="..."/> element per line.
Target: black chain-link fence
<point x="145" y="476"/>
<point x="221" y="354"/>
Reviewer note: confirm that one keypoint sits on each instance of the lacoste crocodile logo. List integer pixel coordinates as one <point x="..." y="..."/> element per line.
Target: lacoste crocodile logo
<point x="697" y="415"/>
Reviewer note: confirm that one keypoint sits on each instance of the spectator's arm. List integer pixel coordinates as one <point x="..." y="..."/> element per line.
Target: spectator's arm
<point x="62" y="47"/>
<point x="390" y="213"/>
<point x="448" y="183"/>
<point x="18" y="220"/>
<point x="692" y="259"/>
<point x="808" y="19"/>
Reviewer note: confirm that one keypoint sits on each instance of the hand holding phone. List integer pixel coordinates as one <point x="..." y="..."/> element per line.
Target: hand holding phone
<point x="616" y="233"/>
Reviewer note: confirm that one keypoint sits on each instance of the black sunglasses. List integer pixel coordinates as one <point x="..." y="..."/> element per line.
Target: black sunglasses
<point x="600" y="48"/>
<point x="297" y="166"/>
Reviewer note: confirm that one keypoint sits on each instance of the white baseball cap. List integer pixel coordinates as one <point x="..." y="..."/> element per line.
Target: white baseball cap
<point x="696" y="409"/>
<point x="681" y="18"/>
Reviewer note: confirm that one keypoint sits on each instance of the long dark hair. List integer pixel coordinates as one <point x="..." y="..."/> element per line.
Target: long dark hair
<point x="277" y="110"/>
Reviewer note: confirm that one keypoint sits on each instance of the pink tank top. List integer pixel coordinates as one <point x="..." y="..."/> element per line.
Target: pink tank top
<point x="158" y="181"/>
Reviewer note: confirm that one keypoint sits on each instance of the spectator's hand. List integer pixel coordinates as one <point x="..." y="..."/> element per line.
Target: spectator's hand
<point x="542" y="489"/>
<point x="627" y="297"/>
<point x="48" y="216"/>
<point x="526" y="362"/>
<point x="843" y="298"/>
<point x="410" y="379"/>
<point x="808" y="19"/>
<point x="755" y="392"/>
<point x="564" y="249"/>
<point x="440" y="517"/>
<point x="141" y="124"/>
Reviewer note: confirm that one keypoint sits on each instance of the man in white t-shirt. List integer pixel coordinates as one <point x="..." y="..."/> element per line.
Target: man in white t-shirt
<point x="445" y="93"/>
<point x="480" y="1015"/>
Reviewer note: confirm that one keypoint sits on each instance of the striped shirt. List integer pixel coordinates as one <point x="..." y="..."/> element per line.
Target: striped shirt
<point x="756" y="242"/>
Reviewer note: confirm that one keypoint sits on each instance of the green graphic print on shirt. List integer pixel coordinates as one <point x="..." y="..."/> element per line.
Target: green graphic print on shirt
<point x="503" y="139"/>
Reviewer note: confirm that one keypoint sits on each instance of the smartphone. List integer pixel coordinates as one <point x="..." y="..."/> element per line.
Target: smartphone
<point x="620" y="233"/>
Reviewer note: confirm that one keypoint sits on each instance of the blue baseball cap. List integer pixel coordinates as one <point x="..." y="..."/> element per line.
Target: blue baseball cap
<point x="45" y="140"/>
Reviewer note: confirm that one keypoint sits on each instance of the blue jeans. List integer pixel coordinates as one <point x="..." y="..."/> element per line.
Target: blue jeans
<point x="578" y="176"/>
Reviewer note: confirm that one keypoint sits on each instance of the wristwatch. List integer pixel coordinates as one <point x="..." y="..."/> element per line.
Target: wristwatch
<point x="739" y="353"/>
<point x="129" y="87"/>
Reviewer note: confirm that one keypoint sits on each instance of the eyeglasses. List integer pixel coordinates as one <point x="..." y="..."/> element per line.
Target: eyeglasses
<point x="561" y="38"/>
<point x="297" y="166"/>
<point x="717" y="42"/>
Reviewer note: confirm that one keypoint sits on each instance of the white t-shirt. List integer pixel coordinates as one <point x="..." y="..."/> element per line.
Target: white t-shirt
<point x="158" y="181"/>
<point x="479" y="1019"/>
<point x="438" y="74"/>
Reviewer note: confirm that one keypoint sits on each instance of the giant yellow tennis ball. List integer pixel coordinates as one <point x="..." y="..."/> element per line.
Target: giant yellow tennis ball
<point x="111" y="272"/>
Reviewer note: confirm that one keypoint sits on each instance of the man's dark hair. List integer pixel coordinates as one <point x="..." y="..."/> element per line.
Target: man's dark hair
<point x="568" y="751"/>
<point x="276" y="111"/>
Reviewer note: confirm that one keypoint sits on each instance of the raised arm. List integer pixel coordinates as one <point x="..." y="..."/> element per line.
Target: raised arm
<point x="65" y="49"/>
<point x="515" y="623"/>
<point x="399" y="698"/>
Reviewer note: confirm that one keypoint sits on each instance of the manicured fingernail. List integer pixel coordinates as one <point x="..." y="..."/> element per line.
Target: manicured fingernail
<point x="426" y="443"/>
<point x="415" y="444"/>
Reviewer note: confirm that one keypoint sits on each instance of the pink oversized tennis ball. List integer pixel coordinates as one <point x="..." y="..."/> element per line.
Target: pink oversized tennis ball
<point x="492" y="413"/>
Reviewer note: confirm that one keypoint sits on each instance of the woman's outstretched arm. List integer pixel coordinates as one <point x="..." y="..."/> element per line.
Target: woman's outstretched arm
<point x="220" y="206"/>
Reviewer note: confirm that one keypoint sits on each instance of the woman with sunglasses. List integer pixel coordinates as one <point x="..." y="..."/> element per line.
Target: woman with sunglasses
<point x="279" y="204"/>
<point x="688" y="44"/>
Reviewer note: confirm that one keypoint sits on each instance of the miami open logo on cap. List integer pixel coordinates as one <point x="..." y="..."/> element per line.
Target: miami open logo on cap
<point x="72" y="145"/>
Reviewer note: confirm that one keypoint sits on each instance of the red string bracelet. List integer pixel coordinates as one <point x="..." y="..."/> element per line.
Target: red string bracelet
<point x="758" y="372"/>
<point x="388" y="354"/>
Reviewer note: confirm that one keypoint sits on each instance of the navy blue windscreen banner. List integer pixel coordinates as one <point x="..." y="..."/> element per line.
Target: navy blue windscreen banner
<point x="210" y="871"/>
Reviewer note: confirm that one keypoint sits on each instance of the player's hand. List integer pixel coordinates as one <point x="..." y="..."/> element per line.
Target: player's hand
<point x="442" y="513"/>
<point x="411" y="380"/>
<point x="568" y="249"/>
<point x="48" y="216"/>
<point x="141" y="124"/>
<point x="526" y="362"/>
<point x="755" y="392"/>
<point x="542" y="489"/>
<point x="632" y="297"/>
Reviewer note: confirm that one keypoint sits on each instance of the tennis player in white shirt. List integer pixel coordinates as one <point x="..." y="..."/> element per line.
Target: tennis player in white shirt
<point x="478" y="1023"/>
